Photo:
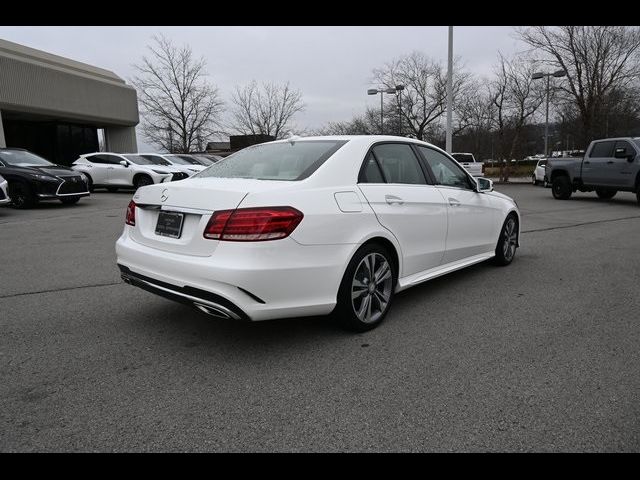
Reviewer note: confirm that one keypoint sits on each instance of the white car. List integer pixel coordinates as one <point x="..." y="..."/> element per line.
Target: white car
<point x="116" y="170"/>
<point x="185" y="165"/>
<point x="538" y="173"/>
<point x="310" y="226"/>
<point x="468" y="161"/>
<point x="4" y="195"/>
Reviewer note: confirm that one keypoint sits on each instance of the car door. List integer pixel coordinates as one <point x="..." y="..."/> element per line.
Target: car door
<point x="395" y="185"/>
<point x="119" y="174"/>
<point x="472" y="216"/>
<point x="621" y="172"/>
<point x="597" y="164"/>
<point x="99" y="169"/>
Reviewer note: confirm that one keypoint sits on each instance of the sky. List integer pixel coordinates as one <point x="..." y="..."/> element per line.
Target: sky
<point x="331" y="65"/>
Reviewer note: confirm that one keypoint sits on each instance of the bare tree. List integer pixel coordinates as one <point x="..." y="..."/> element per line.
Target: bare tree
<point x="179" y="107"/>
<point x="267" y="109"/>
<point x="516" y="97"/>
<point x="598" y="60"/>
<point x="423" y="101"/>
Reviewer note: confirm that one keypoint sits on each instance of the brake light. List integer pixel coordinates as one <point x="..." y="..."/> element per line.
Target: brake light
<point x="253" y="224"/>
<point x="130" y="219"/>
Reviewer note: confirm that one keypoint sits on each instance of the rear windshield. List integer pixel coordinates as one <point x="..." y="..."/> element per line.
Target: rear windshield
<point x="463" y="157"/>
<point x="275" y="161"/>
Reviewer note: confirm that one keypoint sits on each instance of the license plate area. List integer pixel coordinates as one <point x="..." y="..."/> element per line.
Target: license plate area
<point x="169" y="224"/>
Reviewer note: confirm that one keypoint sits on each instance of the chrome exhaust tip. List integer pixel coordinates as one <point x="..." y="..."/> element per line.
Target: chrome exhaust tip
<point x="209" y="310"/>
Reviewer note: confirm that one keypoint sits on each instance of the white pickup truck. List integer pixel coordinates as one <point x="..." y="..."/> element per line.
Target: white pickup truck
<point x="468" y="161"/>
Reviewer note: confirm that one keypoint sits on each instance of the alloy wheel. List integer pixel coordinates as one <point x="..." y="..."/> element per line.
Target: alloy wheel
<point x="510" y="239"/>
<point x="371" y="287"/>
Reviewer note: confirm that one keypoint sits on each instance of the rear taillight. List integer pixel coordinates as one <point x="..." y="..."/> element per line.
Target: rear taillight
<point x="253" y="224"/>
<point x="131" y="214"/>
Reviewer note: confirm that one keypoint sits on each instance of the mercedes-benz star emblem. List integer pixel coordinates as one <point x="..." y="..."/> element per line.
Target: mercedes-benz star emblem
<point x="164" y="195"/>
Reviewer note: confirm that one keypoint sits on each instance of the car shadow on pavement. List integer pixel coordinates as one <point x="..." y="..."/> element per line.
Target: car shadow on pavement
<point x="183" y="324"/>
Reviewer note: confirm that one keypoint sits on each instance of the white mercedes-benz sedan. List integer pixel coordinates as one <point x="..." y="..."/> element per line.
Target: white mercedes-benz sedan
<point x="311" y="226"/>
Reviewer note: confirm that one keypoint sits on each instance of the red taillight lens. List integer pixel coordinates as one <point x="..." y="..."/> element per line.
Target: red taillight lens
<point x="253" y="224"/>
<point x="131" y="214"/>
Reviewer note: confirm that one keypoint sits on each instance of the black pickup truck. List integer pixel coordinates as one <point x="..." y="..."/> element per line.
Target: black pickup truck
<point x="609" y="166"/>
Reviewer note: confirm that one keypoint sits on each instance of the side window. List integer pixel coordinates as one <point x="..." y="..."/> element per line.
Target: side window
<point x="111" y="159"/>
<point x="371" y="172"/>
<point x="399" y="164"/>
<point x="602" y="150"/>
<point x="626" y="145"/>
<point x="445" y="170"/>
<point x="95" y="158"/>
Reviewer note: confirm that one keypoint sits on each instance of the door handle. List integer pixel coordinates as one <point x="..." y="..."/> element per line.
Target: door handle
<point x="453" y="202"/>
<point x="391" y="199"/>
<point x="610" y="161"/>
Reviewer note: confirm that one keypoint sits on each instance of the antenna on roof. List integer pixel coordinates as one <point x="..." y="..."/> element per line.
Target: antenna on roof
<point x="292" y="138"/>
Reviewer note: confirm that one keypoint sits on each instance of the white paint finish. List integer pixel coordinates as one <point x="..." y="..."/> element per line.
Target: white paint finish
<point x="300" y="275"/>
<point x="116" y="175"/>
<point x="348" y="202"/>
<point x="417" y="216"/>
<point x="4" y="187"/>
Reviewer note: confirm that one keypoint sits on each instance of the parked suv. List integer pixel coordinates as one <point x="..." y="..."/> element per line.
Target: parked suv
<point x="610" y="165"/>
<point x="114" y="170"/>
<point x="32" y="179"/>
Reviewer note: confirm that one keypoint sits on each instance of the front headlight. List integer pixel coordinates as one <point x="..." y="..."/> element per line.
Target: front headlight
<point x="160" y="172"/>
<point x="46" y="178"/>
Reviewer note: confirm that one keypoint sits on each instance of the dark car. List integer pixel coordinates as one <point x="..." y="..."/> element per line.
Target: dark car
<point x="32" y="178"/>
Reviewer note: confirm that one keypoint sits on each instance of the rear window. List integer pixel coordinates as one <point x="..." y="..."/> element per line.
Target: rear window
<point x="275" y="161"/>
<point x="463" y="157"/>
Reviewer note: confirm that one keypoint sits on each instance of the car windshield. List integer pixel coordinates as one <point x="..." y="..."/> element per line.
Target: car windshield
<point x="275" y="161"/>
<point x="156" y="159"/>
<point x="139" y="160"/>
<point x="463" y="157"/>
<point x="21" y="158"/>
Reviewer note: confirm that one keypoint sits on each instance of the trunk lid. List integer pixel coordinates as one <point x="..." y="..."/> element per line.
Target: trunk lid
<point x="196" y="199"/>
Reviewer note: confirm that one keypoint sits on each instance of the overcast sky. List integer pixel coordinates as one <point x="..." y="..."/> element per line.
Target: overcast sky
<point x="330" y="65"/>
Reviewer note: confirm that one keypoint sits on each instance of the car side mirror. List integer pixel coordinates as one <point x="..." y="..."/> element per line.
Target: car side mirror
<point x="124" y="163"/>
<point x="484" y="185"/>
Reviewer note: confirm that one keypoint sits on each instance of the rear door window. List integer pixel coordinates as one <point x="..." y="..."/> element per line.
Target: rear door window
<point x="602" y="150"/>
<point x="399" y="164"/>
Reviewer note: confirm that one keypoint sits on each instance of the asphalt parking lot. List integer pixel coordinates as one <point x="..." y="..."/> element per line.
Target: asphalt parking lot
<point x="543" y="355"/>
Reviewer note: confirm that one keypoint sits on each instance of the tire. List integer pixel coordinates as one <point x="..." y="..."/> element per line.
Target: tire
<point x="561" y="188"/>
<point x="606" y="193"/>
<point x="507" y="242"/>
<point x="142" y="181"/>
<point x="368" y="308"/>
<point x="112" y="189"/>
<point x="22" y="196"/>
<point x="70" y="200"/>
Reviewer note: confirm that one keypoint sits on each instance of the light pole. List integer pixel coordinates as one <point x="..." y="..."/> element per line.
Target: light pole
<point x="381" y="91"/>
<point x="536" y="76"/>
<point x="399" y="89"/>
<point x="449" y="139"/>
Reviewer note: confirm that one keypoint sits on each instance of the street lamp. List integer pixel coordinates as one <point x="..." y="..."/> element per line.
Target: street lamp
<point x="536" y="76"/>
<point x="399" y="89"/>
<point x="381" y="91"/>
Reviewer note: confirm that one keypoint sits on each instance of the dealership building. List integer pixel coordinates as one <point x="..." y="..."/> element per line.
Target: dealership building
<point x="54" y="106"/>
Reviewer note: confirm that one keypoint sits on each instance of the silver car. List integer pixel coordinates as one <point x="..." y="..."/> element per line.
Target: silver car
<point x="4" y="196"/>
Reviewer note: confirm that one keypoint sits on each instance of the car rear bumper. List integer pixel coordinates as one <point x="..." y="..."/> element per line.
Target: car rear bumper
<point x="254" y="280"/>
